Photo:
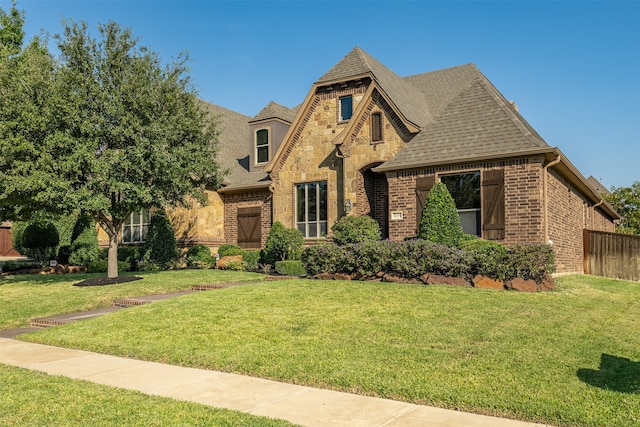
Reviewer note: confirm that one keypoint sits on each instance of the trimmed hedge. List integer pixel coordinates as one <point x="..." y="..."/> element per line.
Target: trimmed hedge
<point x="199" y="256"/>
<point x="355" y="229"/>
<point x="229" y="249"/>
<point x="290" y="268"/>
<point x="413" y="258"/>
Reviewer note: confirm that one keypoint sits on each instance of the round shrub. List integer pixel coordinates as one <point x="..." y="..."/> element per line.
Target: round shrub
<point x="290" y="268"/>
<point x="489" y="258"/>
<point x="355" y="229"/>
<point x="229" y="249"/>
<point x="283" y="244"/>
<point x="161" y="247"/>
<point x="440" y="222"/>
<point x="251" y="260"/>
<point x="529" y="261"/>
<point x="199" y="256"/>
<point x="40" y="239"/>
<point x="321" y="258"/>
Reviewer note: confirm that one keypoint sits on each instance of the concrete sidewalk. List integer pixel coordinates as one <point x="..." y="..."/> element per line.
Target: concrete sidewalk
<point x="301" y="405"/>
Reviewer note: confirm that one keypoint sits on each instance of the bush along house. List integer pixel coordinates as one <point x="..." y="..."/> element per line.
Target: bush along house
<point x="366" y="141"/>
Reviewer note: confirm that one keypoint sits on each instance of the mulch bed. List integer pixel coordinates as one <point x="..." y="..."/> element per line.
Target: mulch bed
<point x="102" y="281"/>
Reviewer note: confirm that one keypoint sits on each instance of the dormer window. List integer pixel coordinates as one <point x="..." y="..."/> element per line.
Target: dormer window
<point x="262" y="146"/>
<point x="346" y="108"/>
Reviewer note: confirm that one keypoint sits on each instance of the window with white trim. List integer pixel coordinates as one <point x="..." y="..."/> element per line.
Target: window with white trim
<point x="136" y="226"/>
<point x="346" y="108"/>
<point x="465" y="190"/>
<point x="262" y="145"/>
<point x="311" y="209"/>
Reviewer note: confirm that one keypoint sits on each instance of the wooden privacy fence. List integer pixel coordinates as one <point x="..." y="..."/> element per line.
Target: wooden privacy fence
<point x="612" y="255"/>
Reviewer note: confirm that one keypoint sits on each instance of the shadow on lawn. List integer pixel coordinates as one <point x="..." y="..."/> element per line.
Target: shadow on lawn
<point x="615" y="373"/>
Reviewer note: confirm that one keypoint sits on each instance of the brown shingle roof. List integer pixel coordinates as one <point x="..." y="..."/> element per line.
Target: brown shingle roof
<point x="233" y="151"/>
<point x="276" y="111"/>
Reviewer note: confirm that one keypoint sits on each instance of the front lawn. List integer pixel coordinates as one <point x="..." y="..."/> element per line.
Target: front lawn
<point x="23" y="297"/>
<point x="570" y="357"/>
<point x="36" y="399"/>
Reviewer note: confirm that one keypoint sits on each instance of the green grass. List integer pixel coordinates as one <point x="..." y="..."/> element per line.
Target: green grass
<point x="570" y="357"/>
<point x="37" y="399"/>
<point x="23" y="297"/>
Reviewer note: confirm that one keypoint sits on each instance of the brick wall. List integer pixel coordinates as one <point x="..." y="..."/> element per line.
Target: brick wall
<point x="245" y="200"/>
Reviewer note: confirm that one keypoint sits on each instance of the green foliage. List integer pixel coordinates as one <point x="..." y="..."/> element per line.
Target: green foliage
<point x="283" y="244"/>
<point x="199" y="256"/>
<point x="440" y="221"/>
<point x="106" y="127"/>
<point x="321" y="258"/>
<point x="10" y="266"/>
<point x="626" y="201"/>
<point x="161" y="247"/>
<point x="40" y="239"/>
<point x="251" y="260"/>
<point x="101" y="266"/>
<point x="489" y="257"/>
<point x="235" y="265"/>
<point x="229" y="249"/>
<point x="290" y="268"/>
<point x="355" y="229"/>
<point x="132" y="255"/>
<point x="529" y="261"/>
<point x="84" y="241"/>
<point x="11" y="31"/>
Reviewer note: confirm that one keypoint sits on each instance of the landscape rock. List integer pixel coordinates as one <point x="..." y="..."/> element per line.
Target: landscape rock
<point x="484" y="282"/>
<point x="343" y="276"/>
<point x="547" y="284"/>
<point x="323" y="276"/>
<point x="522" y="285"/>
<point x="398" y="279"/>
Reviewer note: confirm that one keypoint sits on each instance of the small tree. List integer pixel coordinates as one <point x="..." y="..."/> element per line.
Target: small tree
<point x="440" y="221"/>
<point x="84" y="241"/>
<point x="40" y="239"/>
<point x="355" y="229"/>
<point x="161" y="247"/>
<point x="626" y="201"/>
<point x="283" y="244"/>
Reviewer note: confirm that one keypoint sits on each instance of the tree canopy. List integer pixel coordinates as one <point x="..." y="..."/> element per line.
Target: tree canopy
<point x="106" y="127"/>
<point x="626" y="201"/>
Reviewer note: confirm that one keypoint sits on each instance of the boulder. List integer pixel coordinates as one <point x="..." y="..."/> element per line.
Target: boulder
<point x="547" y="283"/>
<point x="522" y="285"/>
<point x="398" y="279"/>
<point x="323" y="276"/>
<point x="484" y="282"/>
<point x="343" y="276"/>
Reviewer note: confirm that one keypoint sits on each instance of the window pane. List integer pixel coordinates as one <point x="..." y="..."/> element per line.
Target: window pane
<point x="323" y="229"/>
<point x="346" y="108"/>
<point x="126" y="233"/>
<point x="263" y="154"/>
<point x="135" y="234"/>
<point x="262" y="137"/>
<point x="313" y="229"/>
<point x="312" y="205"/>
<point x="302" y="228"/>
<point x="470" y="221"/>
<point x="464" y="188"/>
<point x="145" y="216"/>
<point x="145" y="231"/>
<point x="300" y="204"/>
<point x="323" y="201"/>
<point x="135" y="218"/>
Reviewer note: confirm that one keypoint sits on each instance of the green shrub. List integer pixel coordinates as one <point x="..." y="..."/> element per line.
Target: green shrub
<point x="160" y="247"/>
<point x="529" y="261"/>
<point x="199" y="256"/>
<point x="84" y="241"/>
<point x="101" y="266"/>
<point x="63" y="254"/>
<point x="224" y="250"/>
<point x="251" y="260"/>
<point x="321" y="258"/>
<point x="40" y="239"/>
<point x="234" y="265"/>
<point x="489" y="258"/>
<point x="290" y="268"/>
<point x="130" y="254"/>
<point x="440" y="222"/>
<point x="10" y="266"/>
<point x="355" y="229"/>
<point x="283" y="244"/>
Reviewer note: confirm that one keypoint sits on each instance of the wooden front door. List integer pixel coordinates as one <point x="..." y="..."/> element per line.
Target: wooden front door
<point x="249" y="227"/>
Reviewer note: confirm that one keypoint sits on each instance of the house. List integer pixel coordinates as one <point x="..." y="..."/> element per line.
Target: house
<point x="366" y="141"/>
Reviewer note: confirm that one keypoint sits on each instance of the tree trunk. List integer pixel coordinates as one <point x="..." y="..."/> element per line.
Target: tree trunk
<point x="112" y="264"/>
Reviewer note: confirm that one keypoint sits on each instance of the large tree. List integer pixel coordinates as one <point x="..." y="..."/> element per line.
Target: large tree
<point x="124" y="131"/>
<point x="626" y="201"/>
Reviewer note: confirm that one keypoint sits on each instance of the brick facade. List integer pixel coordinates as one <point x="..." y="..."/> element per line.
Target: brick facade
<point x="232" y="202"/>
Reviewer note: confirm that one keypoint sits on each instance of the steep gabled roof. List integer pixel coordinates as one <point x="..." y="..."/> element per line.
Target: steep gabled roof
<point x="409" y="102"/>
<point x="477" y="122"/>
<point x="276" y="111"/>
<point x="233" y="151"/>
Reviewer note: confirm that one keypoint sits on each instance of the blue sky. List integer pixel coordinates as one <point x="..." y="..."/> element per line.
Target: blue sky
<point x="572" y="67"/>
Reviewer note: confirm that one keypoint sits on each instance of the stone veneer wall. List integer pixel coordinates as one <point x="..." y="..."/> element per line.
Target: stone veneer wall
<point x="234" y="201"/>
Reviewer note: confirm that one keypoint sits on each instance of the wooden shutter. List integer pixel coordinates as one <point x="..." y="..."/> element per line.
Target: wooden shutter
<point x="376" y="127"/>
<point x="493" y="204"/>
<point x="249" y="232"/>
<point x="423" y="185"/>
